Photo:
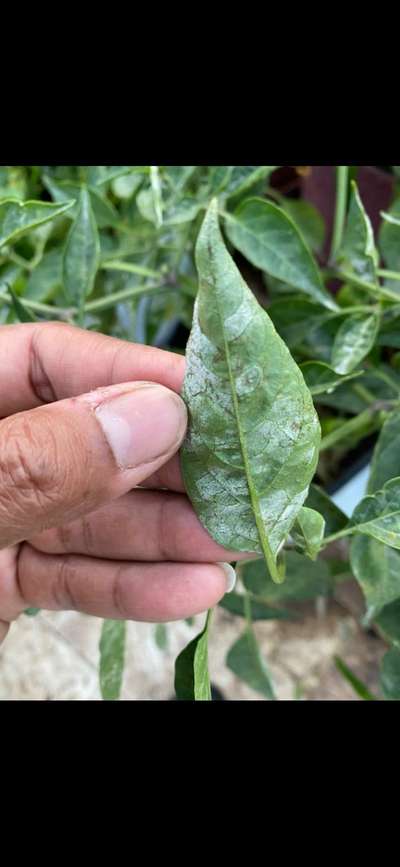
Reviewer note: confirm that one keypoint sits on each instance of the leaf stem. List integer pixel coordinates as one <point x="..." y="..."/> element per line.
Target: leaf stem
<point x="388" y="275"/>
<point x="342" y="174"/>
<point x="368" y="420"/>
<point x="100" y="304"/>
<point x="374" y="288"/>
<point x="46" y="309"/>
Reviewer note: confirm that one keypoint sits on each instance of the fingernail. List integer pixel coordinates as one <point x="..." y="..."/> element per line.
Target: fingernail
<point x="143" y="424"/>
<point x="230" y="576"/>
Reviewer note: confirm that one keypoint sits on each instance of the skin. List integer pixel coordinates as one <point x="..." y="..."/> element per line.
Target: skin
<point x="76" y="531"/>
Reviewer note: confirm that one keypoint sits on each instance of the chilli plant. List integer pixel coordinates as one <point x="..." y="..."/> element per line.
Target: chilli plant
<point x="292" y="365"/>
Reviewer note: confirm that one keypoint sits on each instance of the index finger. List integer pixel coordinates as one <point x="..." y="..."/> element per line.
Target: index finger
<point x="50" y="361"/>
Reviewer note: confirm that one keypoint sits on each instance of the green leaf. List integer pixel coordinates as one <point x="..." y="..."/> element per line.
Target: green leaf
<point x="385" y="463"/>
<point x="295" y="317"/>
<point x="46" y="278"/>
<point x="308" y="220"/>
<point x="359" y="687"/>
<point x="270" y="240"/>
<point x="218" y="179"/>
<point x="388" y="620"/>
<point x="184" y="211"/>
<point x="335" y="519"/>
<point x="312" y="527"/>
<point x="321" y="378"/>
<point x="104" y="213"/>
<point x="358" y="252"/>
<point x="354" y="340"/>
<point x="377" y="570"/>
<point x="378" y="515"/>
<point x="32" y="612"/>
<point x="22" y="313"/>
<point x="81" y="254"/>
<point x="235" y="604"/>
<point x="17" y="218"/>
<point x="112" y="654"/>
<point x="242" y="178"/>
<point x="304" y="579"/>
<point x="389" y="242"/>
<point x="246" y="662"/>
<point x="192" y="681"/>
<point x="390" y="675"/>
<point x="253" y="436"/>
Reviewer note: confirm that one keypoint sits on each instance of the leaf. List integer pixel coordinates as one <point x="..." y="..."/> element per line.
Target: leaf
<point x="378" y="515"/>
<point x="308" y="220"/>
<point x="385" y="462"/>
<point x="270" y="240"/>
<point x="358" y="252"/>
<point x="390" y="675"/>
<point x="235" y="604"/>
<point x="312" y="527"/>
<point x="389" y="242"/>
<point x="22" y="313"/>
<point x="377" y="570"/>
<point x="46" y="278"/>
<point x="321" y="378"/>
<point x="156" y="190"/>
<point x="218" y="178"/>
<point x="246" y="662"/>
<point x="353" y="341"/>
<point x="304" y="579"/>
<point x="17" y="218"/>
<point x="388" y="620"/>
<point x="359" y="687"/>
<point x="81" y="254"/>
<point x="104" y="213"/>
<point x="295" y="317"/>
<point x="192" y="681"/>
<point x="32" y="612"/>
<point x="242" y="178"/>
<point x="253" y="436"/>
<point x="112" y="654"/>
<point x="183" y="212"/>
<point x="335" y="519"/>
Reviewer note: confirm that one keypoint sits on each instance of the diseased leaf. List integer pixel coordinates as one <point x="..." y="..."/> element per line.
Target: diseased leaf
<point x="112" y="654"/>
<point x="377" y="569"/>
<point x="242" y="178"/>
<point x="22" y="312"/>
<point x="358" y="252"/>
<point x="334" y="518"/>
<point x="353" y="341"/>
<point x="81" y="253"/>
<point x="219" y="178"/>
<point x="253" y="436"/>
<point x="304" y="579"/>
<point x="192" y="681"/>
<point x="17" y="218"/>
<point x="245" y="660"/>
<point x="390" y="675"/>
<point x="270" y="240"/>
<point x="312" y="527"/>
<point x="389" y="242"/>
<point x="183" y="212"/>
<point x="378" y="515"/>
<point x="103" y="211"/>
<point x="321" y="378"/>
<point x="388" y="621"/>
<point x="235" y="604"/>
<point x="385" y="463"/>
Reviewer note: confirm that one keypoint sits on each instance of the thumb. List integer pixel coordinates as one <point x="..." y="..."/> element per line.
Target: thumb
<point x="63" y="460"/>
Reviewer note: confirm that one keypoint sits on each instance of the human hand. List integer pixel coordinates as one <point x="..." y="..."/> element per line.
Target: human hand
<point x="85" y="419"/>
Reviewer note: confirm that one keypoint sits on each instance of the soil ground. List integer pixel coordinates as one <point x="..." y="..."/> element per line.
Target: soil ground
<point x="54" y="656"/>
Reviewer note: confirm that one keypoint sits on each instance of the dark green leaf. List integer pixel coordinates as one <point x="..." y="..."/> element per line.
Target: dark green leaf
<point x="235" y="604"/>
<point x="253" y="437"/>
<point x="304" y="579"/>
<point x="334" y="518"/>
<point x="242" y="178"/>
<point x="295" y="317"/>
<point x="359" y="687"/>
<point x="17" y="218"/>
<point x="390" y="675"/>
<point x="46" y="278"/>
<point x="245" y="660"/>
<point x="270" y="240"/>
<point x="81" y="253"/>
<point x="192" y="681"/>
<point x="388" y="620"/>
<point x="112" y="653"/>
<point x="321" y="378"/>
<point x="353" y="341"/>
<point x="32" y="612"/>
<point x="358" y="252"/>
<point x="385" y="463"/>
<point x="308" y="220"/>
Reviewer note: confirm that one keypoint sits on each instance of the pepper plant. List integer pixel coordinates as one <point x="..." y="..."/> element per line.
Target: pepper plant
<point x="292" y="366"/>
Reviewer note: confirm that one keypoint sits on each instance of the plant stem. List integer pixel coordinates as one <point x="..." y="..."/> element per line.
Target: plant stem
<point x="342" y="174"/>
<point x="347" y="531"/>
<point x="368" y="420"/>
<point x="389" y="275"/>
<point x="46" y="309"/>
<point x="375" y="289"/>
<point x="247" y="609"/>
<point x="130" y="267"/>
<point x="104" y="303"/>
